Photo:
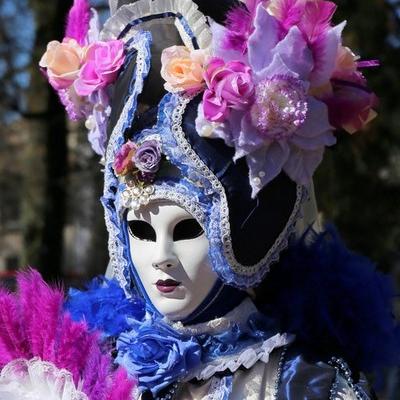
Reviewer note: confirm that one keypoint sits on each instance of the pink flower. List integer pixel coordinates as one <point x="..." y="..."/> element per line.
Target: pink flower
<point x="124" y="159"/>
<point x="182" y="69"/>
<point x="351" y="105"/>
<point x="346" y="63"/>
<point x="63" y="62"/>
<point x="102" y="64"/>
<point x="230" y="86"/>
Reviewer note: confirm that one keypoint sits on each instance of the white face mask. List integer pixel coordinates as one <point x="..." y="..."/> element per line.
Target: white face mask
<point x="170" y="253"/>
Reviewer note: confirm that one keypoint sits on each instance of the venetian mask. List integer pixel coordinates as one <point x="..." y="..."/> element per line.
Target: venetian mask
<point x="169" y="252"/>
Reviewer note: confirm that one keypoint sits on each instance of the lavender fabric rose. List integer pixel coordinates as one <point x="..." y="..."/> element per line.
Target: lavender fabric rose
<point x="156" y="355"/>
<point x="148" y="157"/>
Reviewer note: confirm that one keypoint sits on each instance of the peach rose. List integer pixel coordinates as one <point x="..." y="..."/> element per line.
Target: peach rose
<point x="183" y="69"/>
<point x="63" y="62"/>
<point x="346" y="63"/>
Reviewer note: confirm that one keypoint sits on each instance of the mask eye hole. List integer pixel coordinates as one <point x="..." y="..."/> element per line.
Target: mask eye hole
<point x="187" y="229"/>
<point x="142" y="230"/>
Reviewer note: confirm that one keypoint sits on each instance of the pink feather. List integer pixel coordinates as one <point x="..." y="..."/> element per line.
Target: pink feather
<point x="41" y="306"/>
<point x="122" y="386"/>
<point x="33" y="324"/>
<point x="289" y="12"/>
<point x="12" y="340"/>
<point x="317" y="19"/>
<point x="73" y="338"/>
<point x="78" y="21"/>
<point x="240" y="24"/>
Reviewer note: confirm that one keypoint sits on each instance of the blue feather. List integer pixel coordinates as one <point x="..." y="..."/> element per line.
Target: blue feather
<point x="104" y="307"/>
<point x="335" y="301"/>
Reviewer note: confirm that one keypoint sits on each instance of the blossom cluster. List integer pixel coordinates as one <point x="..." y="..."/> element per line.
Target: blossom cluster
<point x="279" y="81"/>
<point x="81" y="75"/>
<point x="84" y="69"/>
<point x="140" y="161"/>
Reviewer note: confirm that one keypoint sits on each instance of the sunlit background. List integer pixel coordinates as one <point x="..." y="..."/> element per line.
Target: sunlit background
<point x="50" y="181"/>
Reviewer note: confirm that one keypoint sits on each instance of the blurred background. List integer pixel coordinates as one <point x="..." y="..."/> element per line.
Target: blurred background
<point x="51" y="182"/>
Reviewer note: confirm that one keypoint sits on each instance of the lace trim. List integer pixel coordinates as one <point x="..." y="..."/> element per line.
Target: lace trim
<point x="184" y="200"/>
<point x="246" y="358"/>
<point x="238" y="315"/>
<point x="118" y="263"/>
<point x="192" y="23"/>
<point x="281" y="242"/>
<point x="21" y="378"/>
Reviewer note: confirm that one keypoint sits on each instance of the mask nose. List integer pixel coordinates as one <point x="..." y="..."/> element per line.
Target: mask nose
<point x="164" y="257"/>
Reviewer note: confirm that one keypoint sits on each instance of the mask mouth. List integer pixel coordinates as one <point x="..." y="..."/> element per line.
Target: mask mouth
<point x="167" y="286"/>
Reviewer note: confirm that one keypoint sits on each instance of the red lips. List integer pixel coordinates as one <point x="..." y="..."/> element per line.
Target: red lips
<point x="167" y="286"/>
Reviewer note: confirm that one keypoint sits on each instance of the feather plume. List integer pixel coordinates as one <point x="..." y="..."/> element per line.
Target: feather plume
<point x="120" y="391"/>
<point x="105" y="307"/>
<point x="12" y="340"/>
<point x="78" y="21"/>
<point x="33" y="325"/>
<point x="317" y="19"/>
<point x="240" y="24"/>
<point x="334" y="301"/>
<point x="41" y="306"/>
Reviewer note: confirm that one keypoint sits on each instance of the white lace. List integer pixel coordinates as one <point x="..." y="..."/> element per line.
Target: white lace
<point x="37" y="380"/>
<point x="282" y="240"/>
<point x="143" y="8"/>
<point x="246" y="358"/>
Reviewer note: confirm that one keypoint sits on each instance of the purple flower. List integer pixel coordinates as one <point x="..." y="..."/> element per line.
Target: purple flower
<point x="123" y="163"/>
<point x="230" y="86"/>
<point x="148" y="157"/>
<point x="157" y="356"/>
<point x="282" y="128"/>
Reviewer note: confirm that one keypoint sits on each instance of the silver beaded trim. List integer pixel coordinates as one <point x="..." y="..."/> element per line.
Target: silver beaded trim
<point x="279" y="372"/>
<point x="118" y="263"/>
<point x="343" y="370"/>
<point x="282" y="240"/>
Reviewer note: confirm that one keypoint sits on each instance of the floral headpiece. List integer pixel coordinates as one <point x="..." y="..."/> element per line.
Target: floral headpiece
<point x="81" y="68"/>
<point x="276" y="84"/>
<point x="138" y="165"/>
<point x="272" y="85"/>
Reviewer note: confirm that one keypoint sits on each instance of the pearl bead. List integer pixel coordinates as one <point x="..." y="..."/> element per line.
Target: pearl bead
<point x="257" y="181"/>
<point x="149" y="189"/>
<point x="136" y="191"/>
<point x="90" y="123"/>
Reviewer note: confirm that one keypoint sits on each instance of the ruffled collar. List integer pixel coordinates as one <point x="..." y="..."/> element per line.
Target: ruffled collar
<point x="160" y="352"/>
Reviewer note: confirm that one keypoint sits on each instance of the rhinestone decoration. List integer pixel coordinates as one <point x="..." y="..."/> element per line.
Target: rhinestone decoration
<point x="280" y="107"/>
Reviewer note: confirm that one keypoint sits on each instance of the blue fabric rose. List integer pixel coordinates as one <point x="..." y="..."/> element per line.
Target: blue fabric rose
<point x="157" y="355"/>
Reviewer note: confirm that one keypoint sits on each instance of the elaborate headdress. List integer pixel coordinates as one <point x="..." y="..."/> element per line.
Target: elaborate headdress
<point x="230" y="122"/>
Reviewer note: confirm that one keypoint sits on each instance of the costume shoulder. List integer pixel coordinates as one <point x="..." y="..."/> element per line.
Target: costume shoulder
<point x="302" y="377"/>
